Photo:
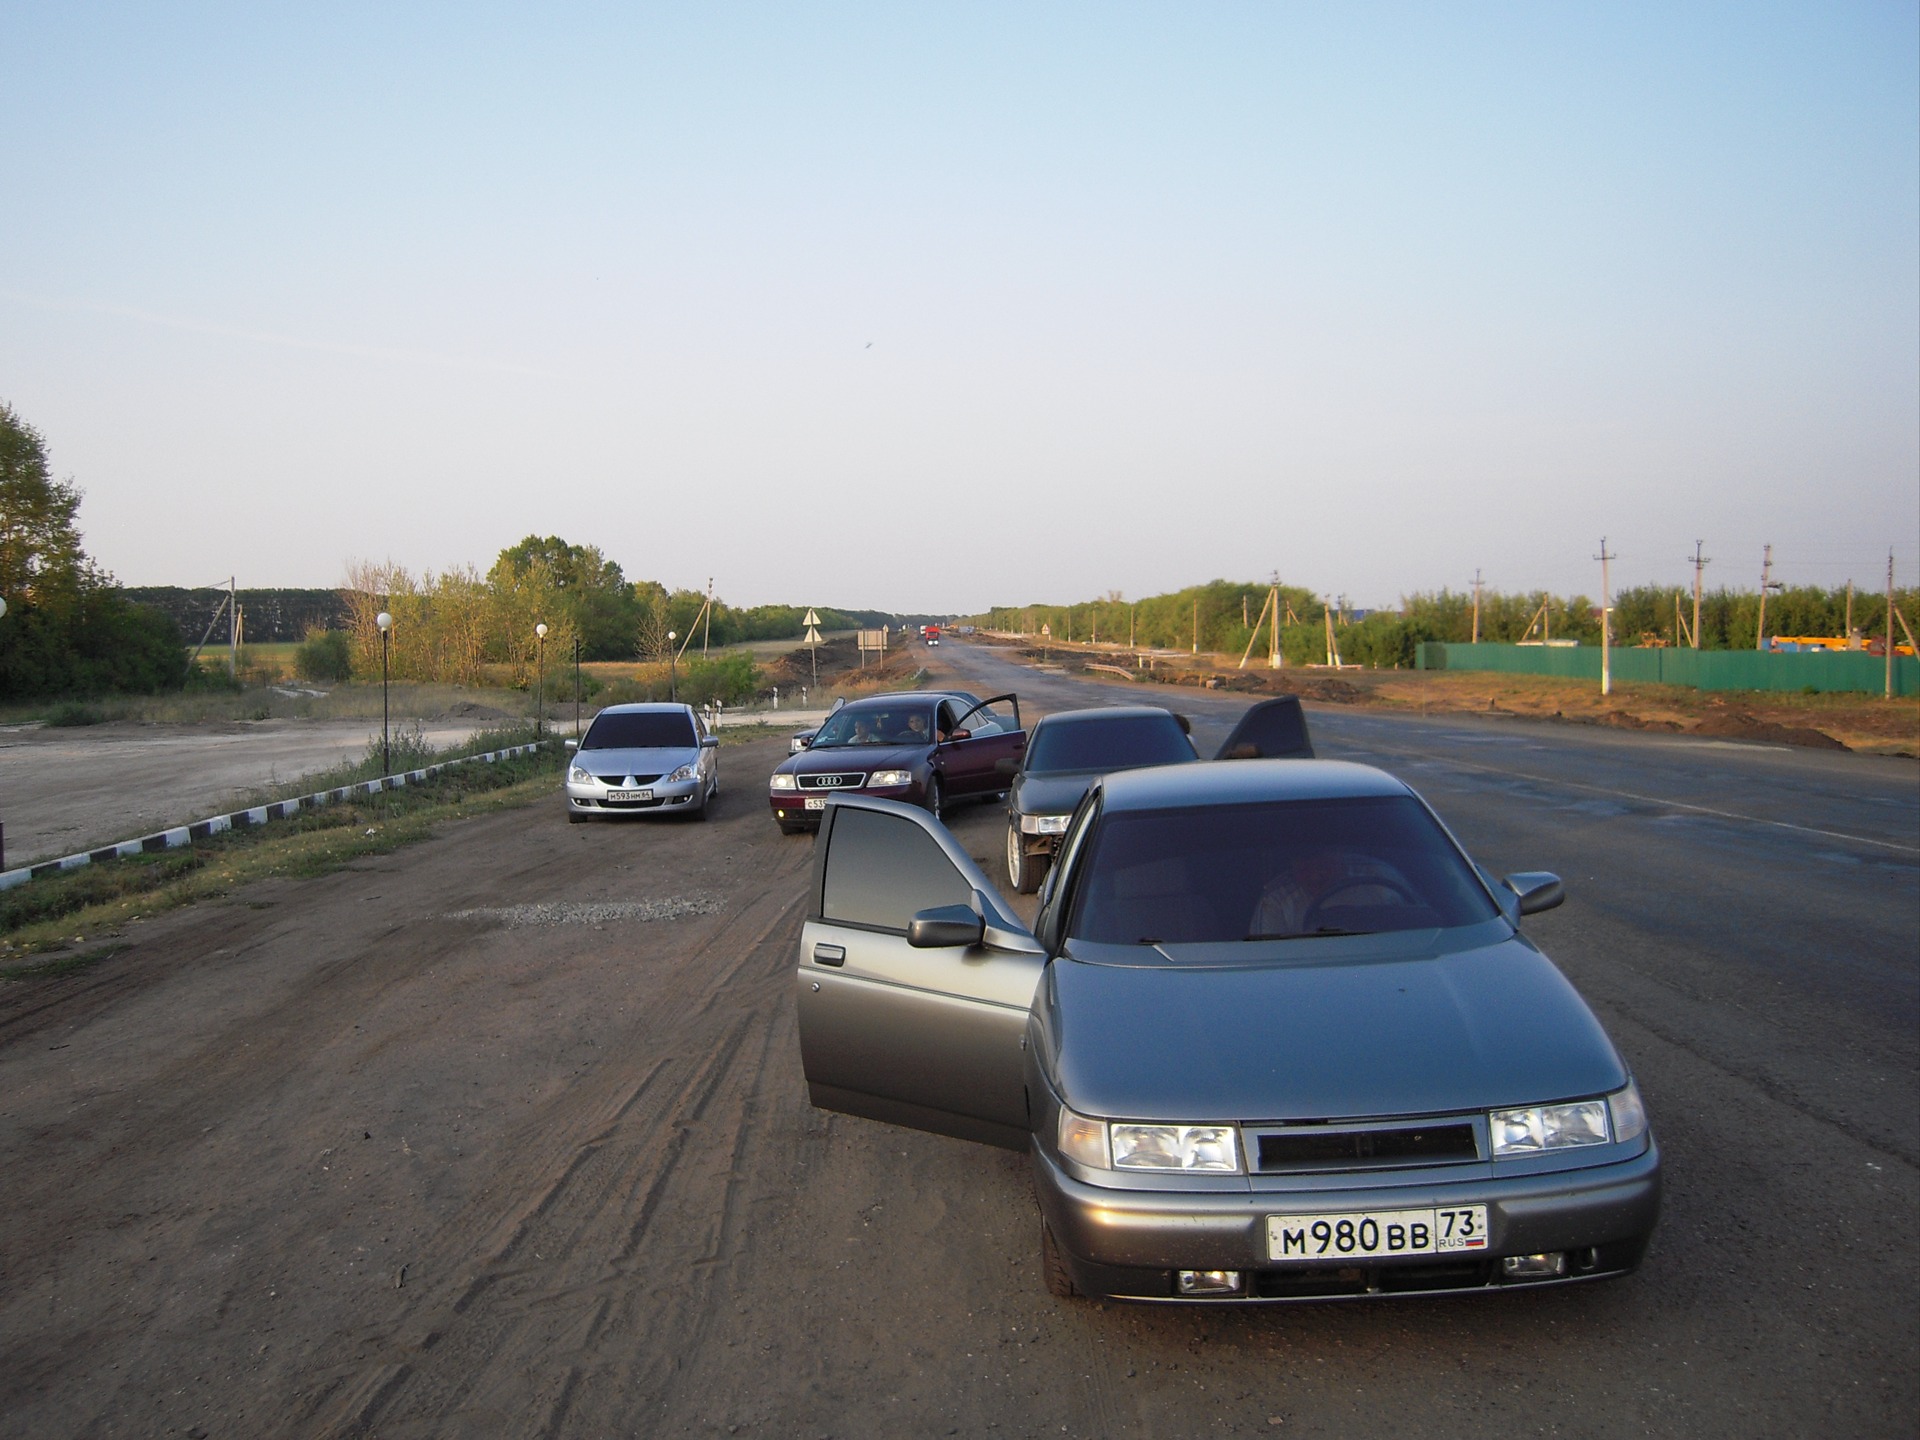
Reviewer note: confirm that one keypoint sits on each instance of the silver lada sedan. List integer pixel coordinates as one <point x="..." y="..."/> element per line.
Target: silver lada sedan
<point x="1273" y="1037"/>
<point x="643" y="759"/>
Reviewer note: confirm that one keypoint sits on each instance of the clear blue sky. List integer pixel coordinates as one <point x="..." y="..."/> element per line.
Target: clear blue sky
<point x="933" y="307"/>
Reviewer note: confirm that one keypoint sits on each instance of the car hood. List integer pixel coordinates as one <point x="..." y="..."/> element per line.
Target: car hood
<point x="855" y="757"/>
<point x="1394" y="1025"/>
<point x="1051" y="793"/>
<point x="663" y="760"/>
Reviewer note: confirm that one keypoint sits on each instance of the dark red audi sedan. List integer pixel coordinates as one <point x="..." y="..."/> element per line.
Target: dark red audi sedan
<point x="925" y="747"/>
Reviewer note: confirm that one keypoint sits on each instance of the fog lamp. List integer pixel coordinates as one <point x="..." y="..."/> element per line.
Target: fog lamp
<point x="1535" y="1267"/>
<point x="1209" y="1282"/>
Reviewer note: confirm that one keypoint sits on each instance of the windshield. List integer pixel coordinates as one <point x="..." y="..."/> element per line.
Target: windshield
<point x="642" y="730"/>
<point x="908" y="723"/>
<point x="1279" y="871"/>
<point x="1121" y="743"/>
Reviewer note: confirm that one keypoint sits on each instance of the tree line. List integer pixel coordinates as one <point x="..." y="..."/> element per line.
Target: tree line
<point x="1223" y="616"/>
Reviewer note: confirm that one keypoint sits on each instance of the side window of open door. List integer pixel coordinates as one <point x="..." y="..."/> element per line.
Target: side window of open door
<point x="915" y="981"/>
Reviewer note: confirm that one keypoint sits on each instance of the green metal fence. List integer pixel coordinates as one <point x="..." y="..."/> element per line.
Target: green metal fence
<point x="1834" y="671"/>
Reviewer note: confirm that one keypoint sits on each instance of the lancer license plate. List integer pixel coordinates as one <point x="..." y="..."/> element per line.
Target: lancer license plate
<point x="1377" y="1234"/>
<point x="629" y="794"/>
<point x="816" y="802"/>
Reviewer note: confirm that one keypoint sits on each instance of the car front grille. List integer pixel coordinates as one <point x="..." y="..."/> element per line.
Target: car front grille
<point x="620" y="781"/>
<point x="1296" y="1148"/>
<point x="844" y="781"/>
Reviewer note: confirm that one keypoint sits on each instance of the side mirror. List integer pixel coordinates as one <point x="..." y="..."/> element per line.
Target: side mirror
<point x="945" y="925"/>
<point x="1186" y="725"/>
<point x="709" y="742"/>
<point x="1006" y="765"/>
<point x="573" y="744"/>
<point x="959" y="734"/>
<point x="1536" y="890"/>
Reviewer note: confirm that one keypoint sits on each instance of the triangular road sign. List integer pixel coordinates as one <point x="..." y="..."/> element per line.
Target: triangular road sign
<point x="813" y="636"/>
<point x="812" y="619"/>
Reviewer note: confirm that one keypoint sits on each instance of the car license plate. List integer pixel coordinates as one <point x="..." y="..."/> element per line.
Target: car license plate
<point x="629" y="794"/>
<point x="1377" y="1234"/>
<point x="816" y="802"/>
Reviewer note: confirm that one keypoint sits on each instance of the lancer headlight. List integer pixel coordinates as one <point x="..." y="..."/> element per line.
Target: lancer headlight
<point x="685" y="772"/>
<point x="781" y="782"/>
<point x="889" y="777"/>
<point x="1189" y="1149"/>
<point x="1044" y="824"/>
<point x="577" y="775"/>
<point x="1538" y="1129"/>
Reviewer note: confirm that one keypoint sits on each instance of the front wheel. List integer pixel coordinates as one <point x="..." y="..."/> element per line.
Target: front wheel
<point x="1024" y="871"/>
<point x="1054" y="1268"/>
<point x="936" y="800"/>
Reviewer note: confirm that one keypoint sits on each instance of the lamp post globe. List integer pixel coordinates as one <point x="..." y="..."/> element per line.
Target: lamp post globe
<point x="540" y="687"/>
<point x="673" y="687"/>
<point x="385" y="622"/>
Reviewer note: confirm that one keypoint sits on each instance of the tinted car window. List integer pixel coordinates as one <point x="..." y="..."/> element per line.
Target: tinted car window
<point x="883" y="868"/>
<point x="1117" y="744"/>
<point x="1299" y="868"/>
<point x="646" y="730"/>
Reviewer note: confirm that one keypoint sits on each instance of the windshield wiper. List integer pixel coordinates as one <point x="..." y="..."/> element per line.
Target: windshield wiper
<point x="1305" y="934"/>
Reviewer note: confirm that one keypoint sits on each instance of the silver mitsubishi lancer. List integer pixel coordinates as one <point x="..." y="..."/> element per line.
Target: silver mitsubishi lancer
<point x="643" y="759"/>
<point x="1274" y="1036"/>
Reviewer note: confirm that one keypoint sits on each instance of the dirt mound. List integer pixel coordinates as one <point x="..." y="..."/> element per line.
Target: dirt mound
<point x="470" y="710"/>
<point x="1738" y="725"/>
<point x="1622" y="720"/>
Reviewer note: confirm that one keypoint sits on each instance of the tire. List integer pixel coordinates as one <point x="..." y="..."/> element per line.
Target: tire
<point x="1053" y="1268"/>
<point x="1024" y="871"/>
<point x="786" y="829"/>
<point x="936" y="798"/>
<point x="575" y="817"/>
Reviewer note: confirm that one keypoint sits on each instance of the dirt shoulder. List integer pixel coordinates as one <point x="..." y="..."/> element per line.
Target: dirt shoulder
<point x="1867" y="724"/>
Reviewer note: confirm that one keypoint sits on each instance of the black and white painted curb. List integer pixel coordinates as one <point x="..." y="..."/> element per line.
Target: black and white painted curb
<point x="181" y="835"/>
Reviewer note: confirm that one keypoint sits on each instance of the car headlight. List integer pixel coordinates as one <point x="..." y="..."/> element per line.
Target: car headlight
<point x="1044" y="824"/>
<point x="685" y="772"/>
<point x="781" y="782"/>
<point x="1629" y="1116"/>
<point x="890" y="777"/>
<point x="796" y="744"/>
<point x="578" y="776"/>
<point x="1541" y="1128"/>
<point x="1204" y="1149"/>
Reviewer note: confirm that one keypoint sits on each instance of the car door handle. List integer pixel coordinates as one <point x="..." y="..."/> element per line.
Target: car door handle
<point x="829" y="954"/>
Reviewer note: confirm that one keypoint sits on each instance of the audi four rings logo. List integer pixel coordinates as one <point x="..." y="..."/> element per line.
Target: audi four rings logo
<point x="826" y="781"/>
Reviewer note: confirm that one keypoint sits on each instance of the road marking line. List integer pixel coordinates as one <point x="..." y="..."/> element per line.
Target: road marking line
<point x="1672" y="804"/>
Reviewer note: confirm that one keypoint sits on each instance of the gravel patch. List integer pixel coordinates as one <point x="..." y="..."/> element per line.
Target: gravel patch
<point x="604" y="912"/>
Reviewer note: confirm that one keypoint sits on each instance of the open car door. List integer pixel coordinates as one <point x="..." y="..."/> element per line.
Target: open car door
<point x="984" y="736"/>
<point x="1274" y="729"/>
<point x="907" y="1016"/>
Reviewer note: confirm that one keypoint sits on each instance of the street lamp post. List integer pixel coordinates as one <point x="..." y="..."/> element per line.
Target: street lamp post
<point x="385" y="622"/>
<point x="576" y="687"/>
<point x="540" y="685"/>
<point x="673" y="688"/>
<point x="3" y="828"/>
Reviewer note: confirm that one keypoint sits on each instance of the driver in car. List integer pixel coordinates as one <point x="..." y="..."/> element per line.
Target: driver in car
<point x="916" y="729"/>
<point x="1295" y="900"/>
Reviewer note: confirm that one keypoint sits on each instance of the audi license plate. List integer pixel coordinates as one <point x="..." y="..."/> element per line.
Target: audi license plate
<point x="1377" y="1234"/>
<point x="629" y="794"/>
<point x="816" y="802"/>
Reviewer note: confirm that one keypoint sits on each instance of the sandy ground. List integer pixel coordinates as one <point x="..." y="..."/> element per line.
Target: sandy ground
<point x="67" y="790"/>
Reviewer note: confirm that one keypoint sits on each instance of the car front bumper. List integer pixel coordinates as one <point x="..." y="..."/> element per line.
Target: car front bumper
<point x="790" y="806"/>
<point x="1133" y="1244"/>
<point x="589" y="798"/>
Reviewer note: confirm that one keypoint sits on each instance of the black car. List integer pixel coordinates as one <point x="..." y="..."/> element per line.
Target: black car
<point x="1071" y="749"/>
<point x="1066" y="753"/>
<point x="923" y="747"/>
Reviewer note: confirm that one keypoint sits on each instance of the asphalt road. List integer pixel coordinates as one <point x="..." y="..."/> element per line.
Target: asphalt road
<point x="505" y="1134"/>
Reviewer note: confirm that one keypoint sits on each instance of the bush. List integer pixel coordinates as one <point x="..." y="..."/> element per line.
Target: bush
<point x="73" y="712"/>
<point x="730" y="679"/>
<point x="325" y="655"/>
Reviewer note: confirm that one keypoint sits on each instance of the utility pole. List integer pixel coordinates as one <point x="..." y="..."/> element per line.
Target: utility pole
<point x="1700" y="562"/>
<point x="1606" y="620"/>
<point x="707" y="633"/>
<point x="1849" y="629"/>
<point x="1767" y="582"/>
<point x="1889" y="624"/>
<point x="1196" y="626"/>
<point x="233" y="629"/>
<point x="1476" y="605"/>
<point x="1130" y="644"/>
